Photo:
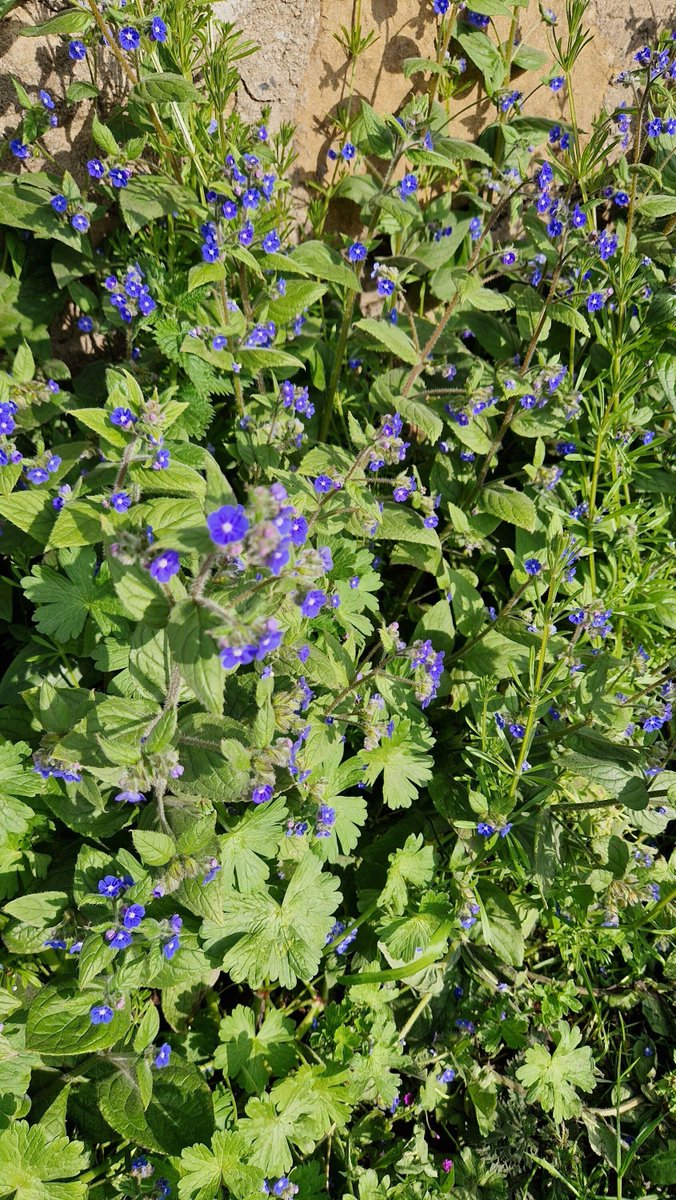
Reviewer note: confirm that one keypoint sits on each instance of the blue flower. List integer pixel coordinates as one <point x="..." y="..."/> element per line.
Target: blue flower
<point x="101" y="1014"/>
<point x="251" y="198"/>
<point x="165" y="566"/>
<point x="119" y="939"/>
<point x="59" y="203"/>
<point x="129" y="797"/>
<point x="169" y="948"/>
<point x="54" y="944"/>
<point x="80" y="222"/>
<point x="447" y="1075"/>
<point x="129" y="38"/>
<point x="484" y="829"/>
<point x="119" y="176"/>
<point x="271" y="242"/>
<point x="313" y="603"/>
<point x="162" y="460"/>
<point x="323" y="484"/>
<point x="158" y="30"/>
<point x="622" y="199"/>
<point x="557" y="83"/>
<point x="408" y="186"/>
<point x="595" y="301"/>
<point x="46" y="99"/>
<point x="357" y="252"/>
<point x="37" y="475"/>
<point x="85" y="324"/>
<point x="110" y="886"/>
<point x="440" y="7"/>
<point x="348" y="151"/>
<point x="96" y="168"/>
<point x="235" y="656"/>
<point x="532" y="566"/>
<point x="654" y="127"/>
<point x="219" y="342"/>
<point x="227" y="524"/>
<point x="578" y="218"/>
<point x="475" y="228"/>
<point x="163" y="1055"/>
<point x="77" y="50"/>
<point x="517" y="731"/>
<point x="133" y="916"/>
<point x="262" y="793"/>
<point x="123" y="417"/>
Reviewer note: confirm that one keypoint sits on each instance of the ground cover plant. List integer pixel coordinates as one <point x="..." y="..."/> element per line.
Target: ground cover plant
<point x="337" y="599"/>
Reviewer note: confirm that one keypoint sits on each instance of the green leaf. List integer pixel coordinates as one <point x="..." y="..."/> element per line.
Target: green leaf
<point x="154" y="848"/>
<point x="63" y="602"/>
<point x="655" y="207"/>
<point x="204" y="1170"/>
<point x="390" y="336"/>
<point x="104" y="138"/>
<point x="403" y="761"/>
<point x="500" y="925"/>
<point x="509" y="505"/>
<point x="254" y="840"/>
<point x="147" y="198"/>
<point x="249" y="1052"/>
<point x="278" y="941"/>
<point x="412" y="865"/>
<point x="41" y="909"/>
<point x="81" y="90"/>
<point x="179" y="1109"/>
<point x="319" y="260"/>
<point x="59" y="1023"/>
<point x="552" y="1079"/>
<point x="73" y="20"/>
<point x="195" y="653"/>
<point x="31" y="1160"/>
<point x="164" y="87"/>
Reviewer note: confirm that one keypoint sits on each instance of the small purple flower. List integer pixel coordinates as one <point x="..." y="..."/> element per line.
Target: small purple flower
<point x="484" y="829"/>
<point x="165" y="565"/>
<point x="557" y="83"/>
<point x="158" y="30"/>
<point x="227" y="524"/>
<point x="129" y="38"/>
<point x="123" y="417"/>
<point x="96" y="168"/>
<point x="532" y="566"/>
<point x="447" y="1075"/>
<point x="59" y="203"/>
<point x="408" y="186"/>
<point x="110" y="886"/>
<point x="163" y="1055"/>
<point x="357" y="252"/>
<point x="162" y="460"/>
<point x="120" y="501"/>
<point x="323" y="484"/>
<point x="271" y="242"/>
<point x="169" y="948"/>
<point x="517" y="731"/>
<point x="313" y="603"/>
<point x="235" y="656"/>
<point x="133" y="916"/>
<point x="37" y="475"/>
<point x="263" y="793"/>
<point x="80" y="222"/>
<point x="622" y="199"/>
<point x="101" y="1014"/>
<point x="119" y="939"/>
<point x="77" y="50"/>
<point x="85" y="324"/>
<point x="129" y="797"/>
<point x="595" y="301"/>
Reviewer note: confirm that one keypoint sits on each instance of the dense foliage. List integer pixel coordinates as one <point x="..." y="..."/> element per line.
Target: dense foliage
<point x="337" y="593"/>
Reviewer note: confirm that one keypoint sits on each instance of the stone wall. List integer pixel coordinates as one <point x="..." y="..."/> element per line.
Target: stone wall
<point x="301" y="69"/>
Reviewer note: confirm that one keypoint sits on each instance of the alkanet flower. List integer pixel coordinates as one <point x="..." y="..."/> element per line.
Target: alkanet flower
<point x="227" y="524"/>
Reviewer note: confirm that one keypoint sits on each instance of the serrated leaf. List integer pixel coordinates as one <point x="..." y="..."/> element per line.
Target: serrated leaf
<point x="403" y="761"/>
<point x="391" y="336"/>
<point x="509" y="505"/>
<point x="552" y="1079"/>
<point x="195" y="653"/>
